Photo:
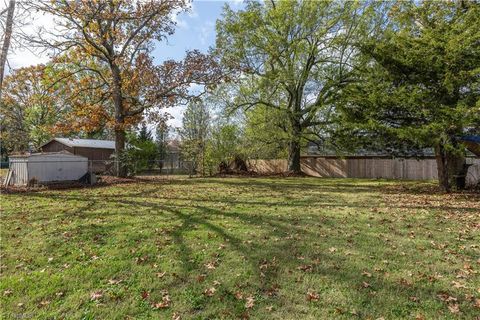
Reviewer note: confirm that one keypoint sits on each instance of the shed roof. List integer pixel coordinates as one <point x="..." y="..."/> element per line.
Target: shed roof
<point x="85" y="143"/>
<point x="47" y="154"/>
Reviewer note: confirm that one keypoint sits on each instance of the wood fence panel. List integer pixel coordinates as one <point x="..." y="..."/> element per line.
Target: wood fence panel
<point x="371" y="168"/>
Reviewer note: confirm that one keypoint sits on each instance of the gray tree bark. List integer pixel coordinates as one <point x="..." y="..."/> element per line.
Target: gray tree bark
<point x="6" y="43"/>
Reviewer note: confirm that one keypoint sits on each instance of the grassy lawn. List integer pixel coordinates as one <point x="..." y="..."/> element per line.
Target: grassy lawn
<point x="267" y="248"/>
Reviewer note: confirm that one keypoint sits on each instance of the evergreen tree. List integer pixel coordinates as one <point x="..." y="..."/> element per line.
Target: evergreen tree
<point x="145" y="134"/>
<point x="418" y="85"/>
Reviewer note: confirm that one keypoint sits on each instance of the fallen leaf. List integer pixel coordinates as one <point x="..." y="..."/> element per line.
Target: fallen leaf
<point x="7" y="292"/>
<point x="332" y="249"/>
<point x="269" y="308"/>
<point x="44" y="303"/>
<point x="209" y="292"/>
<point x="250" y="301"/>
<point x="454" y="308"/>
<point x="305" y="268"/>
<point x="176" y="316"/>
<point x="96" y="295"/>
<point x="114" y="281"/>
<point x="477" y="303"/>
<point x="446" y="297"/>
<point x="238" y="295"/>
<point x="145" y="295"/>
<point x="366" y="274"/>
<point x="366" y="284"/>
<point x="165" y="303"/>
<point x="459" y="285"/>
<point x="201" y="278"/>
<point x="160" y="274"/>
<point x="312" y="296"/>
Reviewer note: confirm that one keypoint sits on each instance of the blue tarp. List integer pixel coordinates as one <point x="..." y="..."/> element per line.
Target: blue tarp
<point x="471" y="138"/>
<point x="472" y="143"/>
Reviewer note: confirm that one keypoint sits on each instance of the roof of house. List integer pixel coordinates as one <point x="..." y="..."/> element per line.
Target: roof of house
<point x="173" y="145"/>
<point x="85" y="143"/>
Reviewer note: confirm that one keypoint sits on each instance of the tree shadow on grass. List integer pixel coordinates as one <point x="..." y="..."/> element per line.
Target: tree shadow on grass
<point x="337" y="268"/>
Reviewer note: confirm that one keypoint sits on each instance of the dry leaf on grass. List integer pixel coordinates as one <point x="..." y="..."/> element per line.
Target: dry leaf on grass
<point x="209" y="292"/>
<point x="312" y="296"/>
<point x="366" y="274"/>
<point x="250" y="302"/>
<point x="305" y="268"/>
<point x="96" y="295"/>
<point x="454" y="308"/>
<point x="165" y="303"/>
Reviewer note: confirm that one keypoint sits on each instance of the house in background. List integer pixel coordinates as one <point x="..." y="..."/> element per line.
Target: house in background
<point x="89" y="148"/>
<point x="98" y="152"/>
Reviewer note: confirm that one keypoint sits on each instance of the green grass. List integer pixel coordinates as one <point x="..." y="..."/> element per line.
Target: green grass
<point x="276" y="248"/>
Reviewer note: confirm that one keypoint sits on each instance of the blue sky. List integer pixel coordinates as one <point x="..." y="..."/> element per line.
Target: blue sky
<point x="195" y="30"/>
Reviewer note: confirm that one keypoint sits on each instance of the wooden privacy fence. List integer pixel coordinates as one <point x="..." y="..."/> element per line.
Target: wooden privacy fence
<point x="363" y="167"/>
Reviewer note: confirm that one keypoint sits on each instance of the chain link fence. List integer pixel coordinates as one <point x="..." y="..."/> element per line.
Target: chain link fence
<point x="142" y="167"/>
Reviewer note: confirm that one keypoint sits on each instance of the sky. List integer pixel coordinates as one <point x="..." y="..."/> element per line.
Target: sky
<point x="195" y="30"/>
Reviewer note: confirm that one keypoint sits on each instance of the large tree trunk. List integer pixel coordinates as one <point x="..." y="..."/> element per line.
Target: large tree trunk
<point x="294" y="148"/>
<point x="120" y="135"/>
<point x="451" y="168"/>
<point x="294" y="157"/>
<point x="6" y="43"/>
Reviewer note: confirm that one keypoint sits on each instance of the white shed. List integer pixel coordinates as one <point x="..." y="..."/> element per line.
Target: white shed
<point x="46" y="167"/>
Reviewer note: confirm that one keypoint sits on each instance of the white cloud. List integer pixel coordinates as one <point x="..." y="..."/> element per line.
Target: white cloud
<point x="177" y="116"/>
<point x="182" y="24"/>
<point x="206" y="30"/>
<point x="236" y="3"/>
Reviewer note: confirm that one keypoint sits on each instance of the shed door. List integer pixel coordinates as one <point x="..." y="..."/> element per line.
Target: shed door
<point x="20" y="173"/>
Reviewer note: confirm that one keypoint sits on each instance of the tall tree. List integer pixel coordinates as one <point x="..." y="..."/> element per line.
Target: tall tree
<point x="194" y="133"/>
<point x="118" y="37"/>
<point x="419" y="85"/>
<point x="145" y="134"/>
<point x="31" y="106"/>
<point x="291" y="57"/>
<point x="161" y="138"/>
<point x="7" y="34"/>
